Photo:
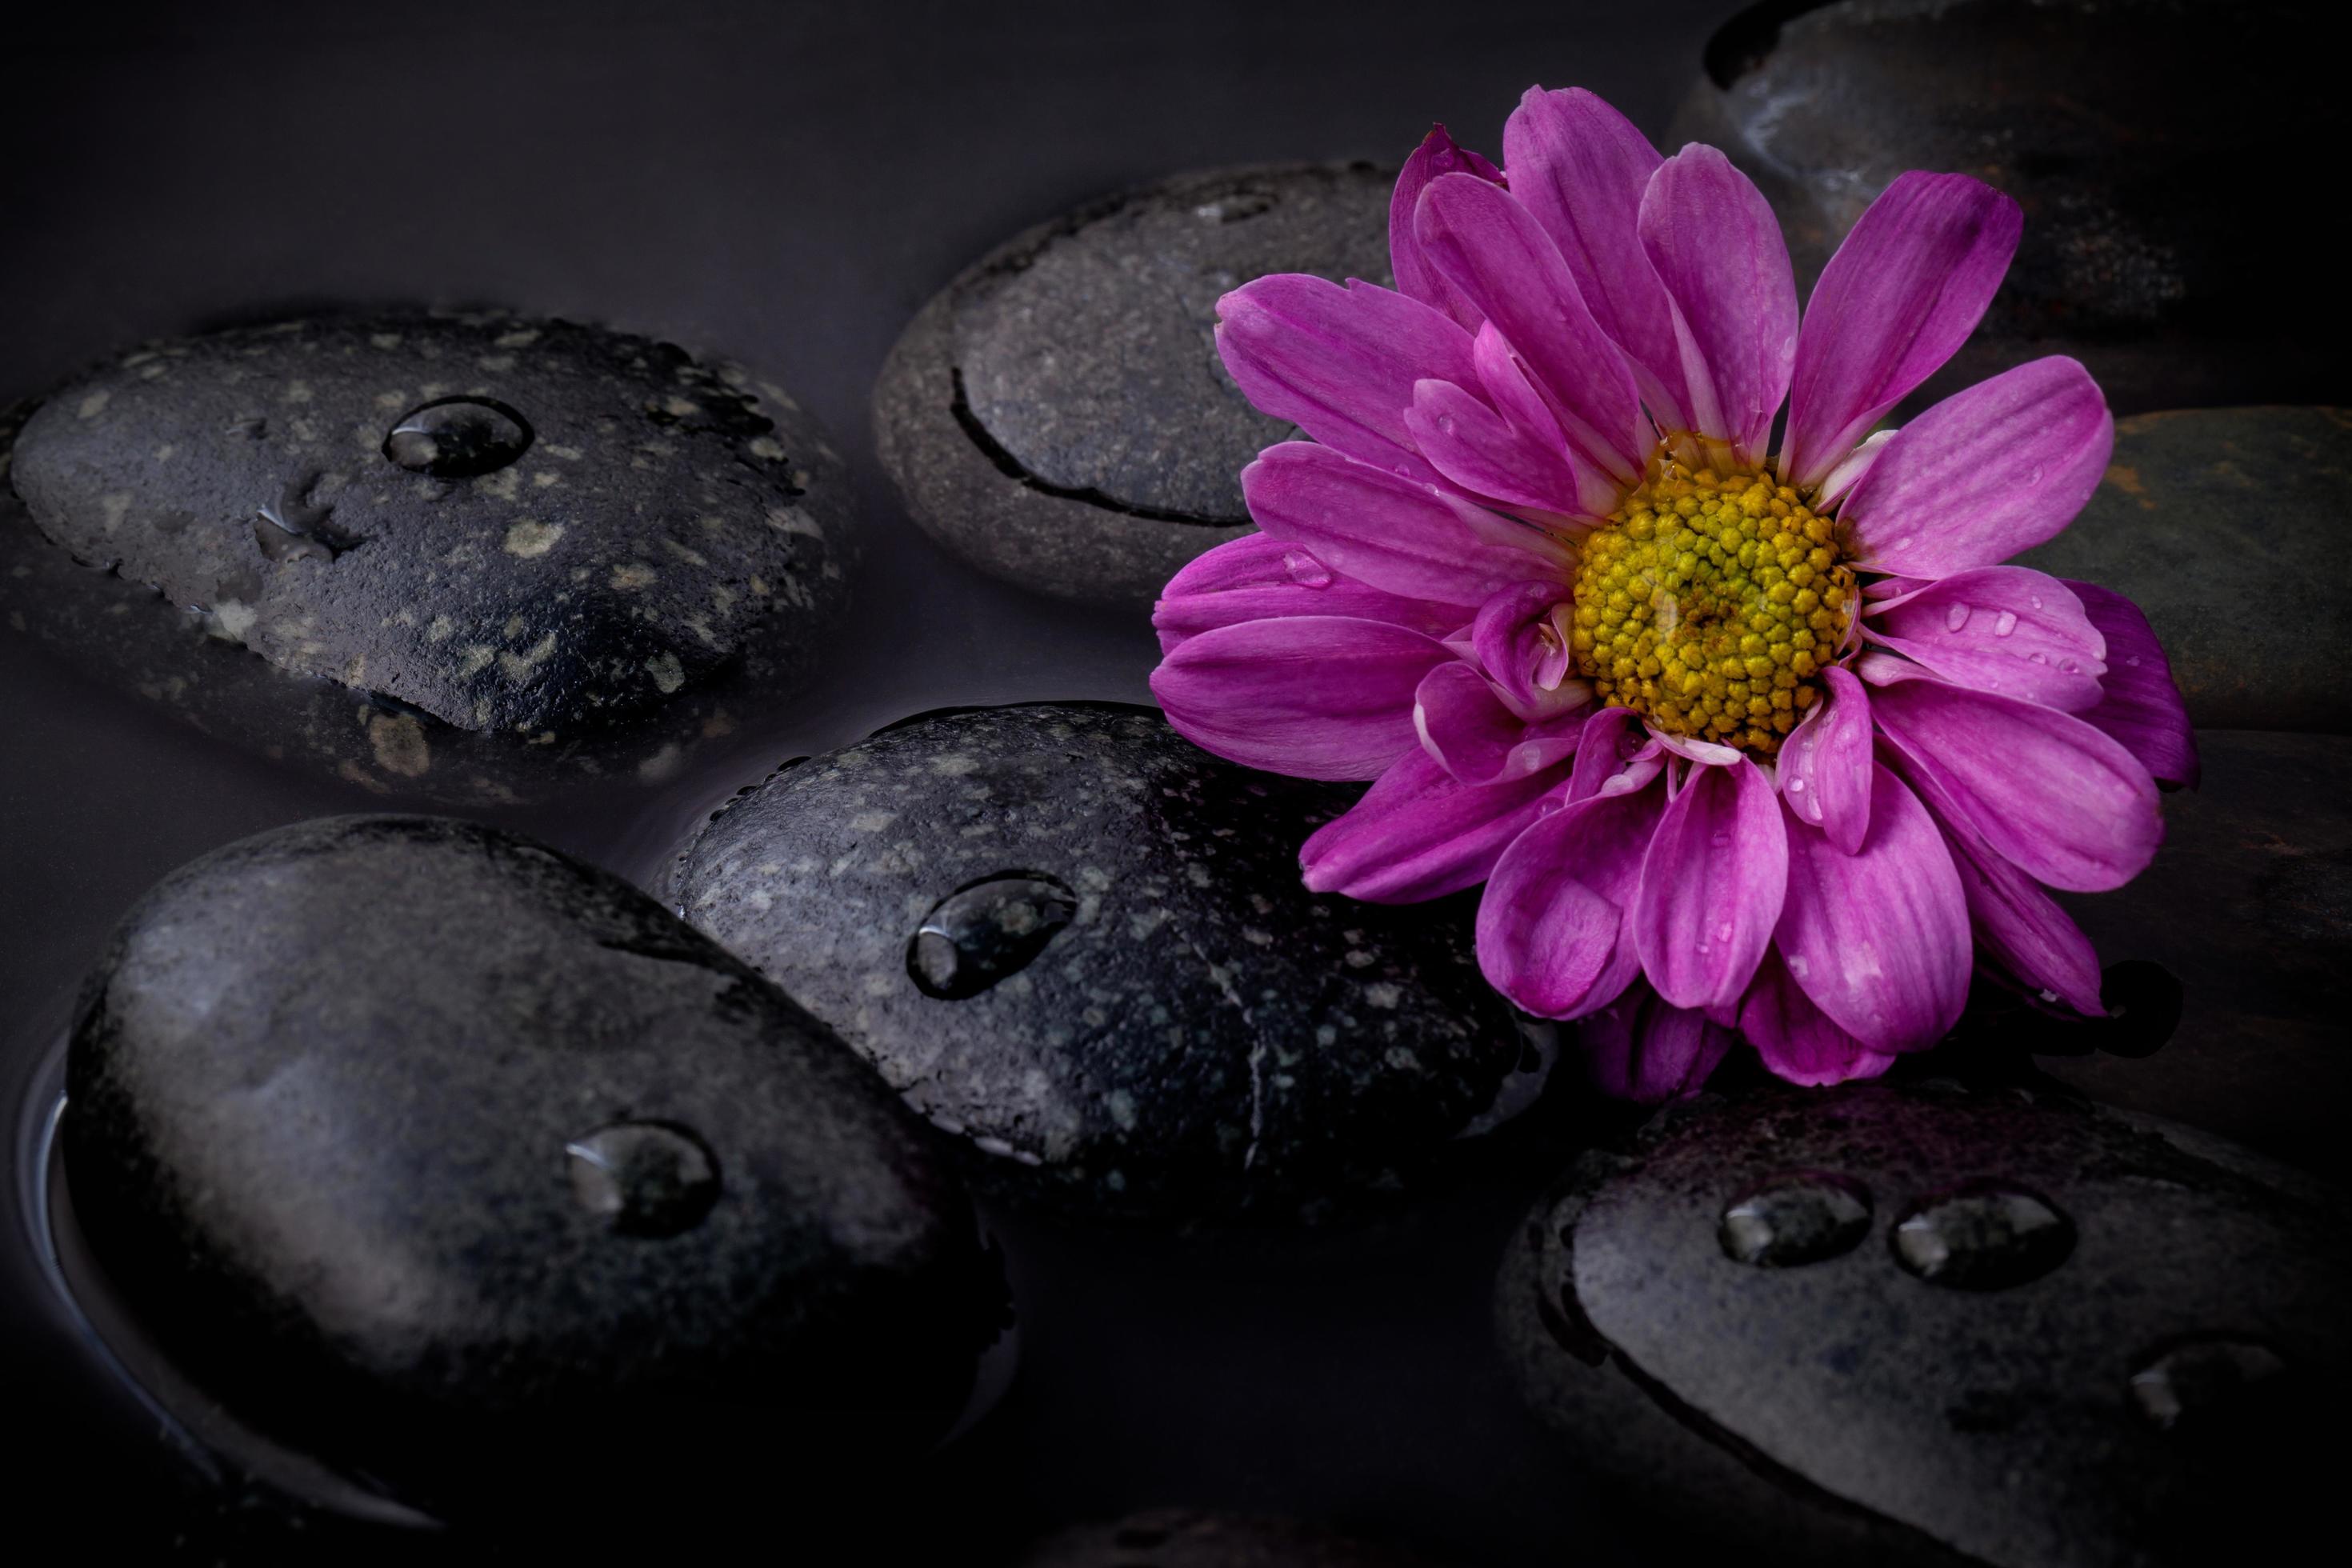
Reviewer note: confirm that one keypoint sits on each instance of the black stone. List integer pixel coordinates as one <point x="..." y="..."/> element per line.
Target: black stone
<point x="1190" y="1538"/>
<point x="458" y="1164"/>
<point x="2226" y="526"/>
<point x="1058" y="416"/>
<point x="1851" y="1411"/>
<point x="2111" y="122"/>
<point x="475" y="555"/>
<point x="1198" y="1034"/>
<point x="2248" y="908"/>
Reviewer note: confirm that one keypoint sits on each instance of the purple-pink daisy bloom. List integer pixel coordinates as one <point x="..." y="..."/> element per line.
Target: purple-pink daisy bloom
<point x="1740" y="744"/>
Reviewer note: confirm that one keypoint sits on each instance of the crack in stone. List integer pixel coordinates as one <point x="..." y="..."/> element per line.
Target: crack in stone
<point x="1011" y="468"/>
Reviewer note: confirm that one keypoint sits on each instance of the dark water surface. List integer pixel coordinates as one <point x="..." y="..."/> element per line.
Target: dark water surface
<point x="784" y="184"/>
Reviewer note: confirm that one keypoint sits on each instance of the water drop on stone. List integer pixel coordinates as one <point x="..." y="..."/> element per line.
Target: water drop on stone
<point x="2005" y="624"/>
<point x="458" y="438"/>
<point x="981" y="933"/>
<point x="1956" y="617"/>
<point x="1984" y="1236"/>
<point x="2195" y="1377"/>
<point x="650" y="1178"/>
<point x="1806" y="1216"/>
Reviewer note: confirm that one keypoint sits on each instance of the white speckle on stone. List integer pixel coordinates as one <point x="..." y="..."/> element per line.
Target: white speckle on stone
<point x="767" y="446"/>
<point x="1258" y="938"/>
<point x="295" y="392"/>
<point x="668" y="674"/>
<point x="546" y="479"/>
<point x="496" y="363"/>
<point x="93" y="405"/>
<point x="1197" y="873"/>
<point x="1122" y="1106"/>
<point x="630" y="575"/>
<point x="163" y="453"/>
<point x="873" y="821"/>
<point x="478" y="657"/>
<point x="235" y="619"/>
<point x="1380" y="994"/>
<point x="1358" y="959"/>
<point x="439" y="630"/>
<point x="112" y="510"/>
<point x="793" y="519"/>
<point x="1401" y="1058"/>
<point x="384" y="339"/>
<point x="521" y="338"/>
<point x="522" y="666"/>
<point x="532" y="539"/>
<point x="399" y="743"/>
<point x="955" y="764"/>
<point x="661" y="764"/>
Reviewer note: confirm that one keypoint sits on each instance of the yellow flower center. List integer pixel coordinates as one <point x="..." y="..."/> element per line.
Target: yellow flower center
<point x="1708" y="603"/>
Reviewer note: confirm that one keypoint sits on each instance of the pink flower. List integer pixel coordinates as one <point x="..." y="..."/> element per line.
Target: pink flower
<point x="1737" y="743"/>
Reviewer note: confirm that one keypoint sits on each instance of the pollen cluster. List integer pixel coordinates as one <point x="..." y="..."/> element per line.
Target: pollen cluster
<point x="1709" y="602"/>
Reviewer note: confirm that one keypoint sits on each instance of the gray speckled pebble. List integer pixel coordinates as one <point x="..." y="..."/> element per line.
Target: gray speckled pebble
<point x="1199" y="1036"/>
<point x="1058" y="416"/>
<point x="2067" y="1336"/>
<point x="461" y="629"/>
<point x="444" y="1156"/>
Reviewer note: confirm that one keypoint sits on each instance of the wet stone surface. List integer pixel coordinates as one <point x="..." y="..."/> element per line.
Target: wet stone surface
<point x="1849" y="1409"/>
<point x="2248" y="906"/>
<point x="462" y="556"/>
<point x="1170" y="1021"/>
<point x="2102" y="118"/>
<point x="460" y="1164"/>
<point x="1058" y="416"/>
<point x="1185" y="1538"/>
<point x="2226" y="526"/>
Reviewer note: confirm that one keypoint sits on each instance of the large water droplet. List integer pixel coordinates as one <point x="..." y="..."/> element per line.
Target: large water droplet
<point x="458" y="438"/>
<point x="1956" y="617"/>
<point x="985" y="931"/>
<point x="2198" y="1376"/>
<point x="1796" y="787"/>
<point x="650" y="1178"/>
<point x="1984" y="1236"/>
<point x="2006" y="623"/>
<point x="1802" y="1218"/>
<point x="1305" y="569"/>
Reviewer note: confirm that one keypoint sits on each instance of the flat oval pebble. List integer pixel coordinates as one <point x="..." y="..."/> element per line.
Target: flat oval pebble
<point x="2226" y="527"/>
<point x="1071" y="935"/>
<point x="462" y="1164"/>
<point x="2002" y="1370"/>
<point x="2105" y="120"/>
<point x="478" y="553"/>
<point x="1057" y="415"/>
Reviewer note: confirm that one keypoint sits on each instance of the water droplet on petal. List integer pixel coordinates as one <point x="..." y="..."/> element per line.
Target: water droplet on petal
<point x="1723" y="930"/>
<point x="458" y="438"/>
<point x="2005" y="624"/>
<point x="2198" y="1375"/>
<point x="1798" y="966"/>
<point x="650" y="1178"/>
<point x="2037" y="657"/>
<point x="1984" y="1236"/>
<point x="1305" y="569"/>
<point x="1796" y="787"/>
<point x="1445" y="422"/>
<point x="1806" y="1216"/>
<point x="2034" y="478"/>
<point x="2132" y="660"/>
<point x="981" y="933"/>
<point x="1956" y="617"/>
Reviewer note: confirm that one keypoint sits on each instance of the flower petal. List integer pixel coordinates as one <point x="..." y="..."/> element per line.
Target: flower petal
<point x="1718" y="248"/>
<point x="1615" y="755"/>
<point x="1551" y="924"/>
<point x="1899" y="298"/>
<point x="1580" y="167"/>
<point x="2022" y="927"/>
<point x="1849" y="473"/>
<point x="1317" y="696"/>
<point x="1492" y="249"/>
<point x="1482" y="452"/>
<point x="1391" y="532"/>
<point x="1826" y="768"/>
<point x="1985" y="473"/>
<point x="1256" y="578"/>
<point x="1796" y="1039"/>
<point x="1711" y="886"/>
<point x="1879" y="939"/>
<point x="2063" y="801"/>
<point x="1415" y="278"/>
<point x="2139" y="704"/>
<point x="1521" y="639"/>
<point x="1420" y="834"/>
<point x="1999" y="628"/>
<point x="1649" y="1051"/>
<point x="1337" y="363"/>
<point x="1465" y="726"/>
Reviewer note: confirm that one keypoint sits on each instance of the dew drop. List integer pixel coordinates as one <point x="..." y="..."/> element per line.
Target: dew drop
<point x="2198" y="1375"/>
<point x="2033" y="599"/>
<point x="1798" y="966"/>
<point x="1983" y="1235"/>
<point x="2133" y="660"/>
<point x="1305" y="569"/>
<point x="650" y="1178"/>
<point x="1796" y="787"/>
<point x="1445" y="422"/>
<point x="458" y="438"/>
<point x="2034" y="478"/>
<point x="1956" y="617"/>
<point x="2005" y="624"/>
<point x="2037" y="657"/>
<point x="985" y="931"/>
<point x="1805" y="1216"/>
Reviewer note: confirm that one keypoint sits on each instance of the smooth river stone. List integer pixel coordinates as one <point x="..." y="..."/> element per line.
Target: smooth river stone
<point x="1188" y="1537"/>
<point x="2064" y="1333"/>
<point x="1057" y="416"/>
<point x="1145" y="1010"/>
<point x="2227" y="526"/>
<point x="567" y="572"/>
<point x="2107" y="120"/>
<point x="463" y="1164"/>
<point x="2249" y="905"/>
